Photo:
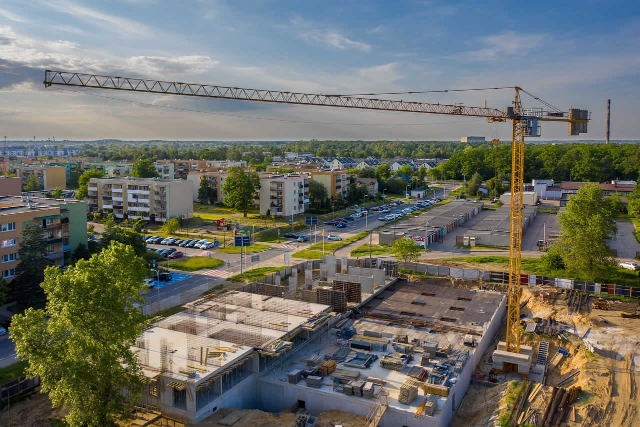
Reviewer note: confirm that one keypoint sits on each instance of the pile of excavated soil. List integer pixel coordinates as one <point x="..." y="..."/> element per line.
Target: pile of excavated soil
<point x="479" y="405"/>
<point x="34" y="411"/>
<point x="255" y="418"/>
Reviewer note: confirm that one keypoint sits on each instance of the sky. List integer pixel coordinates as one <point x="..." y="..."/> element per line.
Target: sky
<point x="568" y="53"/>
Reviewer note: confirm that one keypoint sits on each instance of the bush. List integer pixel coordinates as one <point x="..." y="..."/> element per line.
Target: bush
<point x="553" y="260"/>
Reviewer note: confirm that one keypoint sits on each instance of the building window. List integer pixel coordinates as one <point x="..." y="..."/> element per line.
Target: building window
<point x="51" y="235"/>
<point x="51" y="249"/>
<point x="9" y="242"/>
<point x="180" y="398"/>
<point x="153" y="388"/>
<point x="9" y="227"/>
<point x="9" y="257"/>
<point x="9" y="273"/>
<point x="49" y="221"/>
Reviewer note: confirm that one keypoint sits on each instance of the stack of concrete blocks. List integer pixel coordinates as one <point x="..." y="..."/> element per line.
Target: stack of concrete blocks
<point x="293" y="283"/>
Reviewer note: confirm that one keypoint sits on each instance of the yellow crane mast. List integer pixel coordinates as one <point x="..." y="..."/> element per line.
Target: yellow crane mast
<point x="525" y="124"/>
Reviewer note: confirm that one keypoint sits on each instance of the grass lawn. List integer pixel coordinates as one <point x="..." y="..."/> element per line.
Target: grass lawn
<point x="11" y="372"/>
<point x="195" y="263"/>
<point x="234" y="250"/>
<point x="615" y="275"/>
<point x="375" y="250"/>
<point x="255" y="274"/>
<point x="315" y="250"/>
<point x="220" y="210"/>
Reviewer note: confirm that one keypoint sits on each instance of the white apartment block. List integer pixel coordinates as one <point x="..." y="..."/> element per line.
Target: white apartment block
<point x="285" y="194"/>
<point x="152" y="199"/>
<point x="166" y="170"/>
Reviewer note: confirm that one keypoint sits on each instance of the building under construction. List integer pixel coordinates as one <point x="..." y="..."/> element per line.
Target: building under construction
<point x="363" y="342"/>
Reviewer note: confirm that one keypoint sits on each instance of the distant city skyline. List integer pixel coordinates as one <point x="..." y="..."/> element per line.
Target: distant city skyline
<point x="571" y="54"/>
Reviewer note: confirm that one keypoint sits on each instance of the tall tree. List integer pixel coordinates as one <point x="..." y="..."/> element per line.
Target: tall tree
<point x="586" y="224"/>
<point x="83" y="182"/>
<point x="405" y="170"/>
<point x="171" y="226"/>
<point x="633" y="202"/>
<point x="204" y="190"/>
<point x="317" y="192"/>
<point x="81" y="252"/>
<point x="122" y="235"/>
<point x="383" y="171"/>
<point x="57" y="193"/>
<point x="240" y="189"/>
<point x="31" y="253"/>
<point x="4" y="291"/>
<point x="406" y="250"/>
<point x="366" y="173"/>
<point x="32" y="184"/>
<point x="473" y="184"/>
<point x="80" y="344"/>
<point x="144" y="168"/>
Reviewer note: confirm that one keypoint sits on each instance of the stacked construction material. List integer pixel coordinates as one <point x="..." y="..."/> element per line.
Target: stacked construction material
<point x="375" y="338"/>
<point x="367" y="390"/>
<point x="418" y="372"/>
<point x="327" y="367"/>
<point x="408" y="392"/>
<point x="361" y="345"/>
<point x="394" y="361"/>
<point x="314" y="381"/>
<point x="352" y="290"/>
<point x="424" y="361"/>
<point x="336" y="299"/>
<point x="357" y="388"/>
<point x="348" y="388"/>
<point x="312" y="360"/>
<point x="295" y="376"/>
<point x="346" y="374"/>
<point x="340" y="355"/>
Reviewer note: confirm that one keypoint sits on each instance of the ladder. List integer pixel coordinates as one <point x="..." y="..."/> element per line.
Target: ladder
<point x="543" y="353"/>
<point x="378" y="409"/>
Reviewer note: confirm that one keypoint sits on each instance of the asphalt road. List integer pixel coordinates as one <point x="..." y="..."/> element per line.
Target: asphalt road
<point x="7" y="351"/>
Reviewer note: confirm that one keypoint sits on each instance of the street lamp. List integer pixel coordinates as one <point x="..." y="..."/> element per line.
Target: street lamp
<point x="406" y="191"/>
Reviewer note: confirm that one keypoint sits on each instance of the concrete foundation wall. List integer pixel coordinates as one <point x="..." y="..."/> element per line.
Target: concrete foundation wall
<point x="243" y="396"/>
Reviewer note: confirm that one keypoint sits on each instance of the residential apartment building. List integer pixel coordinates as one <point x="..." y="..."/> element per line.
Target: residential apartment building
<point x="166" y="170"/>
<point x="225" y="164"/>
<point x="64" y="221"/>
<point x="152" y="199"/>
<point x="215" y="180"/>
<point x="49" y="177"/>
<point x="182" y="168"/>
<point x="395" y="166"/>
<point x="10" y="186"/>
<point x="335" y="181"/>
<point x="284" y="195"/>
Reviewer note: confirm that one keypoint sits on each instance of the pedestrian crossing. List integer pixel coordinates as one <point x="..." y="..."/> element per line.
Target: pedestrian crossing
<point x="224" y="273"/>
<point x="288" y="246"/>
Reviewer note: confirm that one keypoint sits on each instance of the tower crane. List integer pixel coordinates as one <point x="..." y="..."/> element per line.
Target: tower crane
<point x="525" y="123"/>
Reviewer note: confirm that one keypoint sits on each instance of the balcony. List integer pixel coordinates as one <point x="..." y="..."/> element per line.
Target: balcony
<point x="117" y="190"/>
<point x="117" y="199"/>
<point x="104" y="206"/>
<point x="94" y="188"/>
<point x="130" y="191"/>
<point x="131" y="198"/>
<point x="55" y="255"/>
<point x="138" y="208"/>
<point x="106" y="197"/>
<point x="160" y="193"/>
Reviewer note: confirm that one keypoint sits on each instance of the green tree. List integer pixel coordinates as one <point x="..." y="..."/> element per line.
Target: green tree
<point x="473" y="184"/>
<point x="138" y="225"/>
<point x="586" y="225"/>
<point x="80" y="344"/>
<point x="144" y="168"/>
<point x="405" y="170"/>
<point x="4" y="291"/>
<point x="616" y="205"/>
<point x="122" y="235"/>
<point x="406" y="250"/>
<point x="73" y="178"/>
<point x="240" y="189"/>
<point x="366" y="173"/>
<point x="422" y="174"/>
<point x="32" y="184"/>
<point x="171" y="226"/>
<point x="383" y="172"/>
<point x="83" y="182"/>
<point x="31" y="253"/>
<point x="317" y="193"/>
<point x="204" y="191"/>
<point x="80" y="252"/>
<point x="57" y="193"/>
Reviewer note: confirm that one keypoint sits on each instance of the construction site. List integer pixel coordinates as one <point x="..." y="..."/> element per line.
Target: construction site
<point x="339" y="337"/>
<point x="494" y="229"/>
<point x="432" y="225"/>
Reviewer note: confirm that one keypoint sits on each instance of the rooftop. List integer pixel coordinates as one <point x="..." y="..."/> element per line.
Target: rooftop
<point x="16" y="204"/>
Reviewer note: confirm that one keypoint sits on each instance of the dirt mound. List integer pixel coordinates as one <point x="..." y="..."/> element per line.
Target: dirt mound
<point x="255" y="418"/>
<point x="34" y="411"/>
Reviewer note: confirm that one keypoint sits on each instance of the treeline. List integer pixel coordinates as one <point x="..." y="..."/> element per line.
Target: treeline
<point x="561" y="162"/>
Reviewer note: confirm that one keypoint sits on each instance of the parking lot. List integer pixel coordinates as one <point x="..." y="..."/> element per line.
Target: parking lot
<point x="175" y="278"/>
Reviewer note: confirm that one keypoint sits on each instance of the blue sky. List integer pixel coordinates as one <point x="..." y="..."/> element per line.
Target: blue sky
<point x="569" y="53"/>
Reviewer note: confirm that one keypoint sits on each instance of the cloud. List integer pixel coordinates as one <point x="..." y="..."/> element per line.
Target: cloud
<point x="70" y="29"/>
<point x="10" y="16"/>
<point x="114" y="24"/>
<point x="507" y="43"/>
<point x="62" y="45"/>
<point x="149" y="65"/>
<point x="376" y="30"/>
<point x="335" y="39"/>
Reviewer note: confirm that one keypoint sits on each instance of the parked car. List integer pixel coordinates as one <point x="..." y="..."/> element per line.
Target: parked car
<point x="340" y="220"/>
<point x="630" y="265"/>
<point x="176" y="242"/>
<point x="3" y="331"/>
<point x="303" y="238"/>
<point x="341" y="225"/>
<point x="149" y="238"/>
<point x="185" y="243"/>
<point x="331" y="222"/>
<point x="176" y="254"/>
<point x="164" y="252"/>
<point x="191" y="244"/>
<point x="290" y="235"/>
<point x="200" y="243"/>
<point x="383" y="218"/>
<point x="386" y="210"/>
<point x="166" y="241"/>
<point x="165" y="277"/>
<point x="150" y="283"/>
<point x="208" y="245"/>
<point x="171" y="250"/>
<point x="334" y="237"/>
<point x="349" y="218"/>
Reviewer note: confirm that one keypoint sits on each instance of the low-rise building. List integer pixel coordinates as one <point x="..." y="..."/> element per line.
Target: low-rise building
<point x="529" y="198"/>
<point x="284" y="194"/>
<point x="370" y="183"/>
<point x="10" y="186"/>
<point x="622" y="188"/>
<point x="395" y="166"/>
<point x="369" y="163"/>
<point x="152" y="199"/>
<point x="472" y="139"/>
<point x="64" y="221"/>
<point x="214" y="178"/>
<point x="343" y="163"/>
<point x="335" y="181"/>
